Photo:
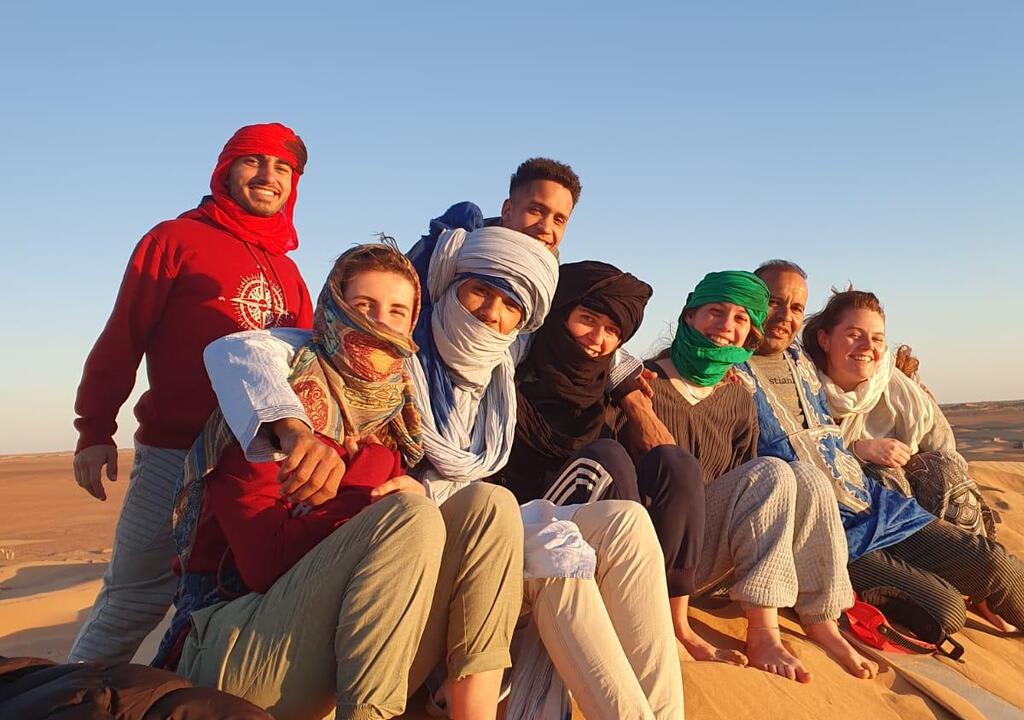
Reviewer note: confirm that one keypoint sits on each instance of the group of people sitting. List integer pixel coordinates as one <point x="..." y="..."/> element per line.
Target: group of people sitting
<point x="448" y="472"/>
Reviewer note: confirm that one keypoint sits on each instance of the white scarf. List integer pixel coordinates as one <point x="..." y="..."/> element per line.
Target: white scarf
<point x="886" y="405"/>
<point x="478" y="440"/>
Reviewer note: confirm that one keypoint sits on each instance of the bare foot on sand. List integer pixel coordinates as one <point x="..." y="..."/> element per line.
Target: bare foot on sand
<point x="986" y="612"/>
<point x="703" y="651"/>
<point x="699" y="648"/>
<point x="766" y="652"/>
<point x="826" y="634"/>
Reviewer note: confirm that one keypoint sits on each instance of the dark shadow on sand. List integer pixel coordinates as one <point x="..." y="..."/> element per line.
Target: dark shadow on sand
<point x="37" y="579"/>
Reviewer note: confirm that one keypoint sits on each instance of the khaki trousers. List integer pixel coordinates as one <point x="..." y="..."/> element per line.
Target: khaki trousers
<point x="479" y="589"/>
<point x="339" y="630"/>
<point x="610" y="638"/>
<point x="360" y="621"/>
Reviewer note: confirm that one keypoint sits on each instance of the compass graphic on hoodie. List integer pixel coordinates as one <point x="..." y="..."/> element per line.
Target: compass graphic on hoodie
<point x="259" y="304"/>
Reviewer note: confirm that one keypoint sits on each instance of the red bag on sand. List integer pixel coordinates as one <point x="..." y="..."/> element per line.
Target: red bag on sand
<point x="869" y="625"/>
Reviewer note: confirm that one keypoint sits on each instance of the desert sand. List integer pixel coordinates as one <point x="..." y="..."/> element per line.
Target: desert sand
<point x="55" y="542"/>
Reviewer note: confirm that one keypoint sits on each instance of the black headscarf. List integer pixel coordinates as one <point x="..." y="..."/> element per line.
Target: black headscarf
<point x="560" y="388"/>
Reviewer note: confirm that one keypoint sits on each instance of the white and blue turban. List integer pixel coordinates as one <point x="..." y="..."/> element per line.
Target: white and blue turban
<point x="465" y="375"/>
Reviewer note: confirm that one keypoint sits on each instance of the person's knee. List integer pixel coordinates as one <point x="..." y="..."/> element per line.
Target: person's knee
<point x="771" y="477"/>
<point x="678" y="464"/>
<point x="813" y="486"/>
<point x="424" y="519"/>
<point x="494" y="505"/>
<point x="953" y="461"/>
<point x="608" y="453"/>
<point x="629" y="521"/>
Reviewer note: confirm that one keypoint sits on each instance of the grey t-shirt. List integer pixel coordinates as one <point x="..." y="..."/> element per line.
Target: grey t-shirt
<point x="776" y="370"/>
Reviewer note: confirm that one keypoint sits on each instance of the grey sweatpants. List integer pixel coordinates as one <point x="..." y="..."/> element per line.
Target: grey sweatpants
<point x="139" y="585"/>
<point x="774" y="528"/>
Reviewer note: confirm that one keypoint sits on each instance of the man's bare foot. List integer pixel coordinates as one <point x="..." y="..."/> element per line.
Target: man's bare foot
<point x="766" y="652"/>
<point x="703" y="651"/>
<point x="986" y="612"/>
<point x="826" y="634"/>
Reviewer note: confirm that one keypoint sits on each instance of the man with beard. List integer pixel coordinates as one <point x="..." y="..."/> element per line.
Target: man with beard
<point x="899" y="552"/>
<point x="216" y="269"/>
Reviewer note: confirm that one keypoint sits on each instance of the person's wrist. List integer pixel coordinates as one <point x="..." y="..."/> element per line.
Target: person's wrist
<point x="286" y="428"/>
<point x="853" y="449"/>
<point x="632" y="401"/>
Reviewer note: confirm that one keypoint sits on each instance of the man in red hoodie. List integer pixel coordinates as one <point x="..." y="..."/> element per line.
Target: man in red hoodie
<point x="214" y="270"/>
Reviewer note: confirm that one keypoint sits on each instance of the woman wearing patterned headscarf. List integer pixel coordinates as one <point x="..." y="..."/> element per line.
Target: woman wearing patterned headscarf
<point x="263" y="581"/>
<point x="780" y="547"/>
<point x="484" y="289"/>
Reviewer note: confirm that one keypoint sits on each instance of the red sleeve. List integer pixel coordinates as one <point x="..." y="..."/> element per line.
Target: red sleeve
<point x="109" y="374"/>
<point x="304" y="318"/>
<point x="265" y="540"/>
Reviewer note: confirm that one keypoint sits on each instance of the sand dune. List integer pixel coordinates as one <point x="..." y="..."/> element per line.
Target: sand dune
<point x="55" y="542"/>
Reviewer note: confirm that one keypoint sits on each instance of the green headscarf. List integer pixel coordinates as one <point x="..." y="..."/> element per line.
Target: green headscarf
<point x="698" y="359"/>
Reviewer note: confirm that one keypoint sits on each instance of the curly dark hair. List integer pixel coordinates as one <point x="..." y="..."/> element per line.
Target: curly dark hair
<point x="540" y="168"/>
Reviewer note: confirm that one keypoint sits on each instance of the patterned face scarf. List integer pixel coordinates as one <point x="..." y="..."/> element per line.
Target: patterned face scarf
<point x="697" y="358"/>
<point x="351" y="381"/>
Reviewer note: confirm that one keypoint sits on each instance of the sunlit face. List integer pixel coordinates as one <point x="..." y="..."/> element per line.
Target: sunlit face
<point x="598" y="334"/>
<point x="722" y="323"/>
<point x="261" y="184"/>
<point x="785" y="310"/>
<point x="540" y="209"/>
<point x="854" y="347"/>
<point x="490" y="306"/>
<point x="385" y="297"/>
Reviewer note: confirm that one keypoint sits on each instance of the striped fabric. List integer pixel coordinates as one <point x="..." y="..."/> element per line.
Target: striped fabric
<point x="581" y="474"/>
<point x="939" y="565"/>
<point x="138" y="585"/>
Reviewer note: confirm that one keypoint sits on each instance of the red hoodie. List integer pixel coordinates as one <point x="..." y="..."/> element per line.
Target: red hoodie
<point x="187" y="283"/>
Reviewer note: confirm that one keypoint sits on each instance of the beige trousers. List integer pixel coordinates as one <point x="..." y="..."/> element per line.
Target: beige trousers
<point x="610" y="638"/>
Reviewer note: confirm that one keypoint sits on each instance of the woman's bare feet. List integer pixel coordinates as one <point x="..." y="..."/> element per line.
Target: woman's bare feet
<point x="826" y="634"/>
<point x="766" y="652"/>
<point x="986" y="612"/>
<point x="703" y="651"/>
<point x="699" y="648"/>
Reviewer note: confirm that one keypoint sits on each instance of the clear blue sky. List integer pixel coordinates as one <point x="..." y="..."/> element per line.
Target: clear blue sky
<point x="876" y="142"/>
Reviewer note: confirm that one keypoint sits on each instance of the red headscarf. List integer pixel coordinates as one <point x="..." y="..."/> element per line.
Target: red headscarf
<point x="275" y="234"/>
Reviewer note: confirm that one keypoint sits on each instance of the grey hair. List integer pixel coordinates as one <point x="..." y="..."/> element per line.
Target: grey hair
<point x="779" y="266"/>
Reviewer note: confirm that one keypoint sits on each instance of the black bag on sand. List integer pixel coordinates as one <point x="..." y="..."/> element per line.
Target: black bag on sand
<point x="33" y="688"/>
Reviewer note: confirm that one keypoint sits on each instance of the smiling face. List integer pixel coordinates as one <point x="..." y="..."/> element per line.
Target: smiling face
<point x="722" y="323"/>
<point x="490" y="306"/>
<point x="854" y="347"/>
<point x="261" y="184"/>
<point x="598" y="334"/>
<point x="385" y="297"/>
<point x="786" y="308"/>
<point x="540" y="209"/>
